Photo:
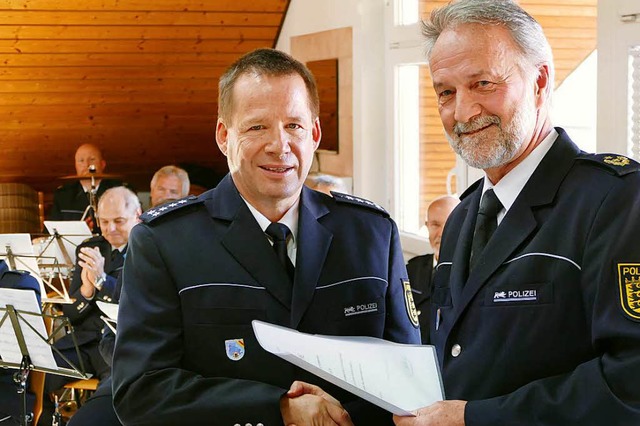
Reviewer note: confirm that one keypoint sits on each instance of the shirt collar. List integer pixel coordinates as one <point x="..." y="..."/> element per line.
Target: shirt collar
<point x="510" y="186"/>
<point x="120" y="249"/>
<point x="290" y="218"/>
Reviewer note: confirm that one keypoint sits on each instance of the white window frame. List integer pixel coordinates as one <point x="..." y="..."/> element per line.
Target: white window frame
<point x="615" y="37"/>
<point x="403" y="46"/>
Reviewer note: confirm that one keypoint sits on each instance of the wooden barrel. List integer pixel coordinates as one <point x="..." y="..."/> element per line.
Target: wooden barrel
<point x="19" y="212"/>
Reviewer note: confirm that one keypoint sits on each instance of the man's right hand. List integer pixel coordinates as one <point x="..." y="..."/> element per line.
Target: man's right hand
<point x="92" y="264"/>
<point x="306" y="404"/>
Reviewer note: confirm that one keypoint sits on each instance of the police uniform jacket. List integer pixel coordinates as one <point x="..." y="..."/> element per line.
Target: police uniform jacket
<point x="83" y="313"/>
<point x="420" y="270"/>
<point x="544" y="330"/>
<point x="197" y="276"/>
<point x="70" y="200"/>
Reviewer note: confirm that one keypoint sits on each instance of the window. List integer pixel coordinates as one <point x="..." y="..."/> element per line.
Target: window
<point x="423" y="162"/>
<point x="633" y="144"/>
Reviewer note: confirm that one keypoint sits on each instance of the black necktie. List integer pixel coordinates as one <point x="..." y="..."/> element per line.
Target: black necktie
<point x="279" y="234"/>
<point x="486" y="224"/>
<point x="117" y="260"/>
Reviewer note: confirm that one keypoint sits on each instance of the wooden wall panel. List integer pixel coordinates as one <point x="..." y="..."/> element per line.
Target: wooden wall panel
<point x="136" y="77"/>
<point x="570" y="26"/>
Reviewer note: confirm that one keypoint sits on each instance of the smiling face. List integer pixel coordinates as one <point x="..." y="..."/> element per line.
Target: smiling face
<point x="269" y="140"/>
<point x="116" y="219"/>
<point x="488" y="106"/>
<point x="166" y="188"/>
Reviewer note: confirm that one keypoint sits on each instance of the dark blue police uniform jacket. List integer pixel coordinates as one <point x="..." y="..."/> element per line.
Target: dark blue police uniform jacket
<point x="420" y="270"/>
<point x="196" y="277"/>
<point x="70" y="200"/>
<point x="84" y="313"/>
<point x="544" y="330"/>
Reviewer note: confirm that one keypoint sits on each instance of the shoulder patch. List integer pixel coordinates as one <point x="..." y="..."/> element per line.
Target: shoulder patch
<point x="629" y="285"/>
<point x="163" y="209"/>
<point x="357" y="201"/>
<point x="618" y="164"/>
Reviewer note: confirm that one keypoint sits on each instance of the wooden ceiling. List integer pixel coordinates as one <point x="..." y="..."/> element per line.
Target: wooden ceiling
<point x="138" y="78"/>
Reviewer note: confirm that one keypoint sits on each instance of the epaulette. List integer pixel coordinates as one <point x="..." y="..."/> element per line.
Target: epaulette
<point x="618" y="164"/>
<point x="471" y="188"/>
<point x="163" y="209"/>
<point x="357" y="201"/>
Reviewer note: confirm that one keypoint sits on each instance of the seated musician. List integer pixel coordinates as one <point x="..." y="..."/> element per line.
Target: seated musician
<point x="99" y="262"/>
<point x="70" y="201"/>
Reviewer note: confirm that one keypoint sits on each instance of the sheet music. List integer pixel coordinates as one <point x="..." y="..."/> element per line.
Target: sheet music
<point x="39" y="351"/>
<point x="399" y="378"/>
<point x="17" y="249"/>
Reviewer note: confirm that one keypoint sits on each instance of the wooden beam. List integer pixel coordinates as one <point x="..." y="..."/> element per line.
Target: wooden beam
<point x="110" y="17"/>
<point x="143" y="5"/>
<point x="199" y="96"/>
<point x="130" y="32"/>
<point x="110" y="73"/>
<point x="93" y="86"/>
<point x="117" y="59"/>
<point x="131" y="46"/>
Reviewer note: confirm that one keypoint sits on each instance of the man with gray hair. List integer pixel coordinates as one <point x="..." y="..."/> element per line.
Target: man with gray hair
<point x="99" y="264"/>
<point x="536" y="303"/>
<point x="326" y="184"/>
<point x="169" y="183"/>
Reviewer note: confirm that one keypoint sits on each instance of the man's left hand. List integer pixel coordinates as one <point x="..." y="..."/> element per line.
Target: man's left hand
<point x="442" y="413"/>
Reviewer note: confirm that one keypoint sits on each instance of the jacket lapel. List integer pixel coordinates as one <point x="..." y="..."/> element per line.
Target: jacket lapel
<point x="520" y="222"/>
<point x="314" y="241"/>
<point x="460" y="260"/>
<point x="246" y="242"/>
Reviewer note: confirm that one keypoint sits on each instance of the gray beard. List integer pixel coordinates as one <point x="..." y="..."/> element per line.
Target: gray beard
<point x="481" y="153"/>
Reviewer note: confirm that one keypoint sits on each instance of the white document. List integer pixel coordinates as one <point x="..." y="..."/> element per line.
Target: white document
<point x="109" y="309"/>
<point x="399" y="378"/>
<point x="39" y="351"/>
<point x="17" y="252"/>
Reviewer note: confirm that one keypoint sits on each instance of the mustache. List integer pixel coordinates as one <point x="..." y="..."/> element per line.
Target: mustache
<point x="476" y="124"/>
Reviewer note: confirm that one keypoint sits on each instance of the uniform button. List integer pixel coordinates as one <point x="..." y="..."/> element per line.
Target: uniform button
<point x="259" y="424"/>
<point x="248" y="424"/>
<point x="237" y="424"/>
<point x="455" y="350"/>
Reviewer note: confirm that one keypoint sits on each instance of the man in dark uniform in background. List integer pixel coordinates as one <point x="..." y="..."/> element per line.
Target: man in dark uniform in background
<point x="199" y="270"/>
<point x="99" y="263"/>
<point x="70" y="200"/>
<point x="169" y="183"/>
<point x="536" y="304"/>
<point x="420" y="268"/>
<point x="10" y="400"/>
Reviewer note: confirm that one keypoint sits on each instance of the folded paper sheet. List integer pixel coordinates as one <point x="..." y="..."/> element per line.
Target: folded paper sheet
<point x="399" y="378"/>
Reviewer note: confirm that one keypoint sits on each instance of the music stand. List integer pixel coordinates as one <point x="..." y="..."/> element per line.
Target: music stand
<point x="59" y="250"/>
<point x="17" y="252"/>
<point x="25" y="344"/>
